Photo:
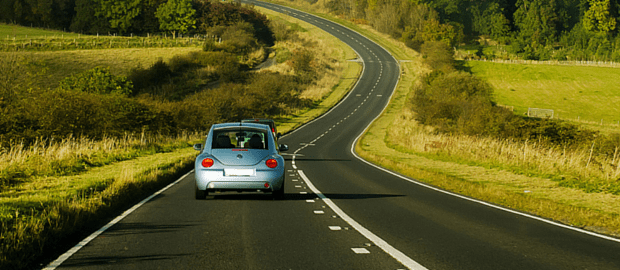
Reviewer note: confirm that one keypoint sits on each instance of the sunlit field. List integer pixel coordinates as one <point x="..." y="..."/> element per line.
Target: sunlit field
<point x="575" y="93"/>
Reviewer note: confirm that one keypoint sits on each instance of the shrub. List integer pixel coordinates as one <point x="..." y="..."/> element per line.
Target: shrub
<point x="237" y="38"/>
<point x="198" y="112"/>
<point x="226" y="14"/>
<point x="155" y="75"/>
<point x="438" y="55"/>
<point x="282" y="32"/>
<point x="61" y="113"/>
<point x="283" y="55"/>
<point x="302" y="61"/>
<point x="210" y="45"/>
<point x="97" y="80"/>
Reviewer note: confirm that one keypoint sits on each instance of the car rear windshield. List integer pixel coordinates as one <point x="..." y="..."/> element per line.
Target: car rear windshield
<point x="240" y="138"/>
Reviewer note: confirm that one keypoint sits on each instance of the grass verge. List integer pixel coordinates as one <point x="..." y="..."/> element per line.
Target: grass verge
<point x="42" y="218"/>
<point x="540" y="196"/>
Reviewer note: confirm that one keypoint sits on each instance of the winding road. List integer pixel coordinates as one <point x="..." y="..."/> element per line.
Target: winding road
<point x="339" y="212"/>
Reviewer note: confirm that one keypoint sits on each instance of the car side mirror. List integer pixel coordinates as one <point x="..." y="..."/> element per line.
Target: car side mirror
<point x="279" y="135"/>
<point x="198" y="147"/>
<point x="283" y="147"/>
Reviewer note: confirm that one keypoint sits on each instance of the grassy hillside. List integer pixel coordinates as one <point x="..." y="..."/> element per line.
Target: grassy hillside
<point x="49" y="67"/>
<point x="573" y="92"/>
<point x="12" y="31"/>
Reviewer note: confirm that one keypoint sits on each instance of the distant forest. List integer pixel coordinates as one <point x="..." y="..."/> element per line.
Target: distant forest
<point x="527" y="29"/>
<point x="128" y="17"/>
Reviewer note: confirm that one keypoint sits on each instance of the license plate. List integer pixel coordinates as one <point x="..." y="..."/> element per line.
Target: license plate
<point x="239" y="172"/>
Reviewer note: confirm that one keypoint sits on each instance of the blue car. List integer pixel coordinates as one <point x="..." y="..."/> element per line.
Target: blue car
<point x="240" y="157"/>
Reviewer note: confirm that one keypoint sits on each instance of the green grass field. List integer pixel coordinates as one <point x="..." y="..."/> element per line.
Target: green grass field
<point x="49" y="65"/>
<point x="10" y="31"/>
<point x="53" y="66"/>
<point x="573" y="92"/>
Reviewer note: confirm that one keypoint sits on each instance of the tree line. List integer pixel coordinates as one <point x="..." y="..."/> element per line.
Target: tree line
<point x="127" y="17"/>
<point x="529" y="29"/>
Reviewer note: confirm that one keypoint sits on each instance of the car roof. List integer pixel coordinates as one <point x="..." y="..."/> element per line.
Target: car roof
<point x="237" y="124"/>
<point x="258" y="120"/>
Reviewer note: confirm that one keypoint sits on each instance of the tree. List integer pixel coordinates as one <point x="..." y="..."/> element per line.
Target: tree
<point x="176" y="15"/>
<point x="146" y="22"/>
<point x="85" y="20"/>
<point x="599" y="17"/>
<point x="538" y="21"/>
<point x="120" y="13"/>
<point x="435" y="31"/>
<point x="490" y="21"/>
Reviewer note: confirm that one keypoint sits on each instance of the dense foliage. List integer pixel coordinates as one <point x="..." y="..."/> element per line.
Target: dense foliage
<point x="532" y="29"/>
<point x="127" y="17"/>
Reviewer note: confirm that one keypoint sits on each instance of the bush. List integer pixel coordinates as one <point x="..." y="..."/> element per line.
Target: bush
<point x="438" y="55"/>
<point x="155" y="75"/>
<point x="282" y="32"/>
<point x="302" y="61"/>
<point x="227" y="14"/>
<point x="446" y="98"/>
<point x="63" y="113"/>
<point x="99" y="81"/>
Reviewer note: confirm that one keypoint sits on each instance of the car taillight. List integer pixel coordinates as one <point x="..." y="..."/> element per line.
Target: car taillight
<point x="207" y="162"/>
<point x="271" y="163"/>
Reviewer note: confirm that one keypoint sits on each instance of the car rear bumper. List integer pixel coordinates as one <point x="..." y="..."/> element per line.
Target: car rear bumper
<point x="215" y="180"/>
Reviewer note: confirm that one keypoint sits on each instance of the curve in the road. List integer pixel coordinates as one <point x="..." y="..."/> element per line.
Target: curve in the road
<point x="419" y="222"/>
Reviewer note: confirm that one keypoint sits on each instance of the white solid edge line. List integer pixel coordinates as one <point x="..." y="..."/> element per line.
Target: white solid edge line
<point x="451" y="193"/>
<point x="84" y="242"/>
<point x="465" y="197"/>
<point x="395" y="253"/>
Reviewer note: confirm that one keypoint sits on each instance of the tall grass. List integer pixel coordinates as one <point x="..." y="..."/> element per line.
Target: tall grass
<point x="43" y="223"/>
<point x="571" y="167"/>
<point x="45" y="157"/>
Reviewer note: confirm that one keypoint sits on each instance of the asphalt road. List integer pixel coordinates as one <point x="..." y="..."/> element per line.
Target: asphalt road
<point x="339" y="212"/>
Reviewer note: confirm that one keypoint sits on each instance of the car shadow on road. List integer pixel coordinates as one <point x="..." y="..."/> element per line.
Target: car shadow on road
<point x="301" y="159"/>
<point x="126" y="228"/>
<point x="118" y="261"/>
<point x="300" y="197"/>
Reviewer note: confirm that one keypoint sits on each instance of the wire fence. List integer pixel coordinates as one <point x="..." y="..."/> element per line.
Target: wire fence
<point x="60" y="42"/>
<point x="553" y="62"/>
<point x="551" y="114"/>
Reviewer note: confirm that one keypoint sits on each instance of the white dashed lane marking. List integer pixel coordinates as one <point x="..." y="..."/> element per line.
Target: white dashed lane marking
<point x="360" y="251"/>
<point x="376" y="240"/>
